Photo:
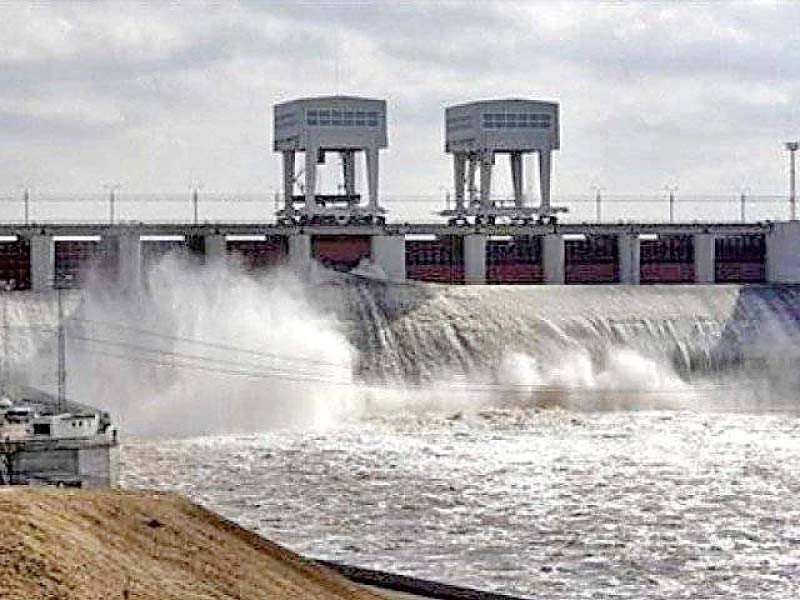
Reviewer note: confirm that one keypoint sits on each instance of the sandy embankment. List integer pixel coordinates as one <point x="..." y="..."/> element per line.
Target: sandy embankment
<point x="107" y="544"/>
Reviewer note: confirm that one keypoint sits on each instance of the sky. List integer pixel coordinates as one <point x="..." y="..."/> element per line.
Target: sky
<point x="155" y="96"/>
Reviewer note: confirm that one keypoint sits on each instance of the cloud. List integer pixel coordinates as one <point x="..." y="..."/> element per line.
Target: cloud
<point x="157" y="93"/>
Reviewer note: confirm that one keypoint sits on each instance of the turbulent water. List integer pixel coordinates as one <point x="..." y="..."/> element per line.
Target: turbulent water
<point x="556" y="442"/>
<point x="556" y="504"/>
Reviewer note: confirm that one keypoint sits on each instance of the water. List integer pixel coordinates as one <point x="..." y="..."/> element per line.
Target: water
<point x="556" y="442"/>
<point x="551" y="504"/>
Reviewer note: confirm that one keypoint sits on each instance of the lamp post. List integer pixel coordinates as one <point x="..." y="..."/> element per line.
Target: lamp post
<point x="195" y="201"/>
<point x="598" y="203"/>
<point x="195" y="186"/>
<point x="671" y="189"/>
<point x="26" y="198"/>
<point x="112" y="201"/>
<point x="743" y="205"/>
<point x="792" y="148"/>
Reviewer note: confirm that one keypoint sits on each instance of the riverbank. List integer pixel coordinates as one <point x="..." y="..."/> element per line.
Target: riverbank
<point x="145" y="545"/>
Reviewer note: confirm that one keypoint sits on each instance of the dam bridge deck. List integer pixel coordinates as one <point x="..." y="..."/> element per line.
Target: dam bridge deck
<point x="438" y="229"/>
<point x="39" y="256"/>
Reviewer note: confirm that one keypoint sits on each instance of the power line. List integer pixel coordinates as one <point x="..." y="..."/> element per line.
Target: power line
<point x="299" y="378"/>
<point x="309" y="377"/>
<point x="217" y="345"/>
<point x="183" y="355"/>
<point x="256" y="370"/>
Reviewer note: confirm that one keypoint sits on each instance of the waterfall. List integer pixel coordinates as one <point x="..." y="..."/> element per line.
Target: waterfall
<point x="420" y="333"/>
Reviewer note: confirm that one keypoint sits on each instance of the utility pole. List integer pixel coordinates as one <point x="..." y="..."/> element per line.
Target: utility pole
<point x="671" y="189"/>
<point x="792" y="148"/>
<point x="598" y="201"/>
<point x="112" y="200"/>
<point x="195" y="202"/>
<point x="27" y="201"/>
<point x="742" y="201"/>
<point x="62" y="355"/>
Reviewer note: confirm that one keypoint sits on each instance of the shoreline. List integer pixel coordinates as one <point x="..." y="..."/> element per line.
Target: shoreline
<point x="148" y="545"/>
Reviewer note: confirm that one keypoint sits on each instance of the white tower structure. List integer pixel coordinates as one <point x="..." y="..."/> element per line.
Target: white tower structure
<point x="315" y="126"/>
<point x="477" y="131"/>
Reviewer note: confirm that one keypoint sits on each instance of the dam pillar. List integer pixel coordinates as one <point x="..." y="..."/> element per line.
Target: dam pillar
<point x="783" y="253"/>
<point x="130" y="260"/>
<point x="553" y="258"/>
<point x="704" y="263"/>
<point x="389" y="253"/>
<point x="299" y="250"/>
<point x="474" y="259"/>
<point x="629" y="259"/>
<point x="215" y="248"/>
<point x="43" y="262"/>
<point x="108" y="259"/>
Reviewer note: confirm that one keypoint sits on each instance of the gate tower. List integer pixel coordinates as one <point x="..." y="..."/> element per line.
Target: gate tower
<point x="317" y="126"/>
<point x="476" y="132"/>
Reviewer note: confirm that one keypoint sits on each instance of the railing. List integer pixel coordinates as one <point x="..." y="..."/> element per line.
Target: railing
<point x="209" y="207"/>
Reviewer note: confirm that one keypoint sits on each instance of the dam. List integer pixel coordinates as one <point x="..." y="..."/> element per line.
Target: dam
<point x="42" y="256"/>
<point x="483" y="238"/>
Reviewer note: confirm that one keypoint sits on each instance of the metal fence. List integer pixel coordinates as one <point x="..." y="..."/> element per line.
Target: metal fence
<point x="210" y="207"/>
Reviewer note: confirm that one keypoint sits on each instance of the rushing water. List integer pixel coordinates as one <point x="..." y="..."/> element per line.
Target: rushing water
<point x="551" y="504"/>
<point x="557" y="442"/>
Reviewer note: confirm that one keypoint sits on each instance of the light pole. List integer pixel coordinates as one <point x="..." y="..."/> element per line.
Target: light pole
<point x="598" y="203"/>
<point x="27" y="200"/>
<point x="195" y="201"/>
<point x="671" y="189"/>
<point x="792" y="148"/>
<point x="195" y="188"/>
<point x="195" y="185"/>
<point x="112" y="200"/>
<point x="743" y="204"/>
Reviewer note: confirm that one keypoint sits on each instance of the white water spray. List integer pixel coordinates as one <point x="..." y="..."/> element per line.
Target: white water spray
<point x="211" y="349"/>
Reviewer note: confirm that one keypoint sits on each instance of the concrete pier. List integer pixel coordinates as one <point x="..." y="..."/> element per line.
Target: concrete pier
<point x="299" y="250"/>
<point x="704" y="266"/>
<point x="475" y="259"/>
<point x="130" y="260"/>
<point x="629" y="248"/>
<point x="389" y="254"/>
<point x="216" y="248"/>
<point x="553" y="259"/>
<point x="43" y="262"/>
<point x="783" y="253"/>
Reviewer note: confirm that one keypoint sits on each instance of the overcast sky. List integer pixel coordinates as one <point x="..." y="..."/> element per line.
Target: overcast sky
<point x="155" y="95"/>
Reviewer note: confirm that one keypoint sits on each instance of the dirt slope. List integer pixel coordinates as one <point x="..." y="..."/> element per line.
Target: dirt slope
<point x="108" y="544"/>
